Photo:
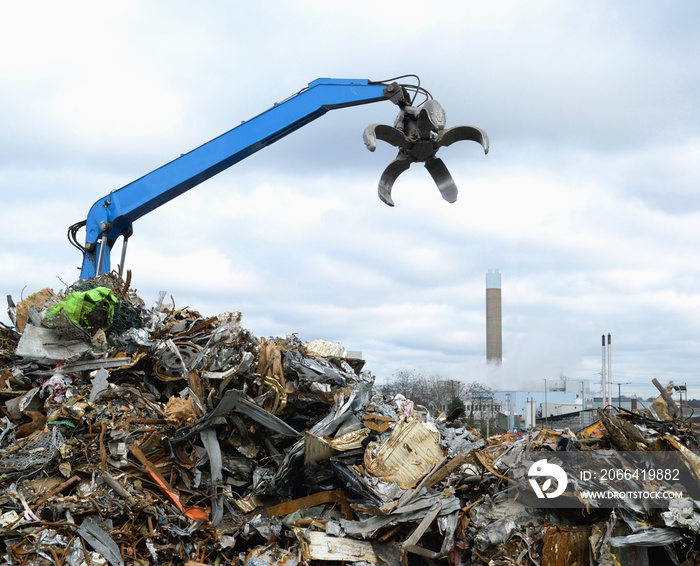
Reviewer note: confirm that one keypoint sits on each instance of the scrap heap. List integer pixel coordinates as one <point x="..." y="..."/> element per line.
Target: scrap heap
<point x="137" y="436"/>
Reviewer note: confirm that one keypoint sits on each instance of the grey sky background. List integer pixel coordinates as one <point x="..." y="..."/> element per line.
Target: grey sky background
<point x="588" y="202"/>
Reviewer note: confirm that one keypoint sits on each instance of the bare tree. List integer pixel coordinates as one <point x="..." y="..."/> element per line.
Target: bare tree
<point x="476" y="387"/>
<point x="412" y="384"/>
<point x="435" y="392"/>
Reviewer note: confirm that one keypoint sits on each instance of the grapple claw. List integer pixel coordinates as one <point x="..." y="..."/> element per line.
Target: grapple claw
<point x="419" y="132"/>
<point x="386" y="181"/>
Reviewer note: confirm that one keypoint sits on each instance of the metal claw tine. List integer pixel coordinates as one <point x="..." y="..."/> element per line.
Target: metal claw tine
<point x="385" y="133"/>
<point x="438" y="171"/>
<point x="463" y="133"/>
<point x="389" y="176"/>
<point x="370" y="137"/>
<point x="425" y="125"/>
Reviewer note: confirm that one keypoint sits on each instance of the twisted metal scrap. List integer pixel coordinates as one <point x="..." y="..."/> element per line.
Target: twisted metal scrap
<point x="31" y="458"/>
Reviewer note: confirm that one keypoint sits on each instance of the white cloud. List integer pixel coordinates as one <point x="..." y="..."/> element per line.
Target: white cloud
<point x="587" y="201"/>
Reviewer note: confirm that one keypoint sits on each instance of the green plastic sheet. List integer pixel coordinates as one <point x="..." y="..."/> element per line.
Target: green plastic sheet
<point x="92" y="310"/>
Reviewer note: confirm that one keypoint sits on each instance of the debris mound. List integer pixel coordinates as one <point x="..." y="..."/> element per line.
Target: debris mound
<point x="136" y="436"/>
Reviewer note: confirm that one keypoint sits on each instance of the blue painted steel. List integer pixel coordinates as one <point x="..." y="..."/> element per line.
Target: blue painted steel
<point x="118" y="210"/>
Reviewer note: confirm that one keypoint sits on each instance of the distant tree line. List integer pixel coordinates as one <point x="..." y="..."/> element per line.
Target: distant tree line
<point x="435" y="392"/>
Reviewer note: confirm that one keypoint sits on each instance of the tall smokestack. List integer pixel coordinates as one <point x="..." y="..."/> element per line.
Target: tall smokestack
<point x="494" y="339"/>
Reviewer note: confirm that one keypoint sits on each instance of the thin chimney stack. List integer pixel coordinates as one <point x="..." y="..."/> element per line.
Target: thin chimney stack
<point x="606" y="372"/>
<point x="494" y="338"/>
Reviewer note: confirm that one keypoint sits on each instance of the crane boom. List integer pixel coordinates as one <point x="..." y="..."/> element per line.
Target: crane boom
<point x="419" y="133"/>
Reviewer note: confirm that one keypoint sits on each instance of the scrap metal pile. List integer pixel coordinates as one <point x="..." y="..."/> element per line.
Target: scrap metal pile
<point x="138" y="436"/>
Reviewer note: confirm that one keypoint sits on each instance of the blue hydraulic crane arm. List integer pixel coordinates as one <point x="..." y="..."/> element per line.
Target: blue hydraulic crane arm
<point x="112" y="216"/>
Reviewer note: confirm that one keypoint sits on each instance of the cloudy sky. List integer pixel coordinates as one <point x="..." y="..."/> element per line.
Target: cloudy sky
<point x="588" y="201"/>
